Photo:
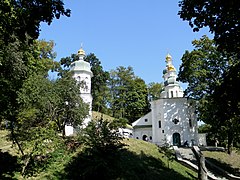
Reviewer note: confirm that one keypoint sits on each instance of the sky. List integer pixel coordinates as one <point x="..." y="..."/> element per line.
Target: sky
<point x="136" y="33"/>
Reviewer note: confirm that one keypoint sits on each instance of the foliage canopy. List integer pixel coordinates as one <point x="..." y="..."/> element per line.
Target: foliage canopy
<point x="222" y="17"/>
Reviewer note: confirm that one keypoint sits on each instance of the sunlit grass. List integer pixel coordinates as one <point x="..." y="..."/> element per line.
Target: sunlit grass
<point x="141" y="147"/>
<point x="230" y="163"/>
<point x="139" y="160"/>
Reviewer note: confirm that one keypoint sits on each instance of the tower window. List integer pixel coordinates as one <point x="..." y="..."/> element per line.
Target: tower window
<point x="162" y="131"/>
<point x="190" y="123"/>
<point x="171" y="93"/>
<point x="159" y="124"/>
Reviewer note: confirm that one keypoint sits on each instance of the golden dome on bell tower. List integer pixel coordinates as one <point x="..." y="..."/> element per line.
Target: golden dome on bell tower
<point x="168" y="57"/>
<point x="81" y="52"/>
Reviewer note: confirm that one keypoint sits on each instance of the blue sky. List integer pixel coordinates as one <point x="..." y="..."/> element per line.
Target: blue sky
<point x="136" y="33"/>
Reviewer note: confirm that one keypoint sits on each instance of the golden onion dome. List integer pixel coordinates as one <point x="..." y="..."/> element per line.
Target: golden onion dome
<point x="81" y="52"/>
<point x="168" y="57"/>
<point x="171" y="68"/>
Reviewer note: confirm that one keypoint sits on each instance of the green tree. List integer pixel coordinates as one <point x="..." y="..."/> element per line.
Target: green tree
<point x="100" y="154"/>
<point x="222" y="18"/>
<point x="137" y="103"/>
<point x="212" y="78"/>
<point x="70" y="108"/>
<point x="18" y="62"/>
<point x="33" y="126"/>
<point x="119" y="79"/>
<point x="154" y="90"/>
<point x="226" y="99"/>
<point x="203" y="68"/>
<point x="45" y="108"/>
<point x="129" y="96"/>
<point x="23" y="18"/>
<point x="99" y="84"/>
<point x="19" y="27"/>
<point x="54" y="103"/>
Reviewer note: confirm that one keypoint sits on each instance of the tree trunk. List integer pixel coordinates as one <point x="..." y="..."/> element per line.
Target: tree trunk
<point x="63" y="131"/>
<point x="230" y="141"/>
<point x="14" y="139"/>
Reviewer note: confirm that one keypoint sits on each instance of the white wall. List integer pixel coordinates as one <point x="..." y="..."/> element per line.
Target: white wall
<point x="166" y="110"/>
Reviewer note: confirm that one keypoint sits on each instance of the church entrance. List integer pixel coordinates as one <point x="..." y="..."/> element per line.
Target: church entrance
<point x="176" y="139"/>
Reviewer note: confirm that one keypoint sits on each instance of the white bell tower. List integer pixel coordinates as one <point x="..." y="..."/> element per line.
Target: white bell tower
<point x="83" y="74"/>
<point x="172" y="88"/>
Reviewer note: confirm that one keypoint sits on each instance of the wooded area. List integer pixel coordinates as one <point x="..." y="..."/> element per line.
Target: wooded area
<point x="36" y="109"/>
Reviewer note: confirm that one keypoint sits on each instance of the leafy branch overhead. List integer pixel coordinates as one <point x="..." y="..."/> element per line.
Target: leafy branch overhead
<point x="23" y="18"/>
<point x="221" y="17"/>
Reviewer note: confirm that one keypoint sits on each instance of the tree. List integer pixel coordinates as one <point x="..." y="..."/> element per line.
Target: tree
<point x="22" y="18"/>
<point x="154" y="90"/>
<point x="119" y="79"/>
<point x="137" y="103"/>
<point x="18" y="61"/>
<point x="45" y="108"/>
<point x="222" y="18"/>
<point x="129" y="97"/>
<point x="100" y="154"/>
<point x="212" y="77"/>
<point x="70" y="109"/>
<point x="227" y="98"/>
<point x="99" y="84"/>
<point x="203" y="68"/>
<point x="51" y="103"/>
<point x="33" y="125"/>
<point x="19" y="27"/>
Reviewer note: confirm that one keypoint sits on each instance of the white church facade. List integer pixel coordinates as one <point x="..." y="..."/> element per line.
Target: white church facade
<point x="172" y="119"/>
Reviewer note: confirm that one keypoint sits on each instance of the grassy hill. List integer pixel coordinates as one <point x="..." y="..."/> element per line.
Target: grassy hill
<point x="144" y="160"/>
<point x="138" y="160"/>
<point x="230" y="163"/>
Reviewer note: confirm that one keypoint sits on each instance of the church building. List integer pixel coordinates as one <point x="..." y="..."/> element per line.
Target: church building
<point x="172" y="119"/>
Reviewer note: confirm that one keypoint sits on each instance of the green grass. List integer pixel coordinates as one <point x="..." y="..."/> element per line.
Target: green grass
<point x="230" y="163"/>
<point x="149" y="157"/>
<point x="139" y="160"/>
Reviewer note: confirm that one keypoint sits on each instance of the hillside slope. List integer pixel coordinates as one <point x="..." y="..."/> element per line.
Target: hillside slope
<point x="139" y="160"/>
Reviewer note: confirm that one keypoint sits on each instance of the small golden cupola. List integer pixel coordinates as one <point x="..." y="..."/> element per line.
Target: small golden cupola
<point x="170" y="66"/>
<point x="168" y="58"/>
<point x="81" y="52"/>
